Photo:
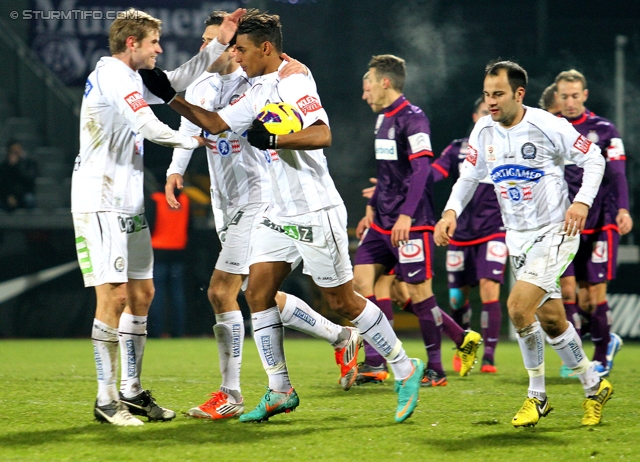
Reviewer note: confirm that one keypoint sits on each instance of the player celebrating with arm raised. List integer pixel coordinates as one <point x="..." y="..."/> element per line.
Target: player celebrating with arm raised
<point x="523" y="150"/>
<point x="112" y="237"/>
<point x="307" y="217"/>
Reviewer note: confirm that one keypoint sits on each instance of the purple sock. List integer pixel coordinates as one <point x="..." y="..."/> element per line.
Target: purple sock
<point x="600" y="329"/>
<point x="385" y="305"/>
<point x="451" y="328"/>
<point x="462" y="316"/>
<point x="490" y="321"/>
<point x="573" y="317"/>
<point x="585" y="320"/>
<point x="430" y="332"/>
<point x="371" y="356"/>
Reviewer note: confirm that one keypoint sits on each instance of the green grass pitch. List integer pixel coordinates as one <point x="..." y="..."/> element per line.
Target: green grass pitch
<point x="47" y="390"/>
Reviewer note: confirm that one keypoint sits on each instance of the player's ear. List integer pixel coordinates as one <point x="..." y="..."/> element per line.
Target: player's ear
<point x="586" y="94"/>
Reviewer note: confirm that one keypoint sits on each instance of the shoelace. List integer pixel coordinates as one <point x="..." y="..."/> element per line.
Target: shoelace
<point x="216" y="397"/>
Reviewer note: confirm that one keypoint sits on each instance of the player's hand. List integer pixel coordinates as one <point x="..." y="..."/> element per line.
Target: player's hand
<point x="365" y="223"/>
<point x="368" y="192"/>
<point x="445" y="228"/>
<point x="174" y="181"/>
<point x="258" y="136"/>
<point x="229" y="26"/>
<point x="202" y="141"/>
<point x="575" y="218"/>
<point x="400" y="231"/>
<point x="624" y="222"/>
<point x="292" y="67"/>
<point x="158" y="83"/>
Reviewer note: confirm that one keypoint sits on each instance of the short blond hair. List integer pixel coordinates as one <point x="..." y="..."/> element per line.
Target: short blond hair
<point x="572" y="76"/>
<point x="131" y="23"/>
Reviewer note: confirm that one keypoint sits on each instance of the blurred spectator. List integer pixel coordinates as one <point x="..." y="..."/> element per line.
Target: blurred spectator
<point x="17" y="179"/>
<point x="169" y="241"/>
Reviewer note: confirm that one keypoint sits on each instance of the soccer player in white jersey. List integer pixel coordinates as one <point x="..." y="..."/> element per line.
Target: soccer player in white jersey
<point x="307" y="217"/>
<point x="112" y="237"/>
<point x="523" y="150"/>
<point x="240" y="192"/>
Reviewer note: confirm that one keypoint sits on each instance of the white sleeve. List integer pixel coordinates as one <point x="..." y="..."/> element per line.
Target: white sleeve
<point x="240" y="114"/>
<point x="585" y="154"/>
<point x="184" y="75"/>
<point x="162" y="134"/>
<point x="181" y="157"/>
<point x="474" y="169"/>
<point x="300" y="91"/>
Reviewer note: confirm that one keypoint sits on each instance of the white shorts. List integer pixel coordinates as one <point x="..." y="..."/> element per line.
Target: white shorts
<point x="319" y="238"/>
<point x="112" y="247"/>
<point x="541" y="256"/>
<point x="236" y="228"/>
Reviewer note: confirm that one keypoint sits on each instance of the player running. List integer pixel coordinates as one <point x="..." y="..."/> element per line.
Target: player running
<point x="240" y="192"/>
<point x="522" y="149"/>
<point x="477" y="253"/>
<point x="609" y="218"/>
<point x="307" y="217"/>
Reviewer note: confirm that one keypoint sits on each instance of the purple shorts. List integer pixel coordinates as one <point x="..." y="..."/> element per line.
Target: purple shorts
<point x="467" y="264"/>
<point x="597" y="256"/>
<point x="413" y="262"/>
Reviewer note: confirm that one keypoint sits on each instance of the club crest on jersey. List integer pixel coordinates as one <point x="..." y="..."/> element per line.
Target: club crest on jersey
<point x="516" y="194"/>
<point x="514" y="172"/>
<point x="582" y="144"/>
<point x="528" y="151"/>
<point x="118" y="264"/>
<point x="135" y="101"/>
<point x="412" y="251"/>
<point x="593" y="136"/>
<point x="87" y="88"/>
<point x="490" y="149"/>
<point x="472" y="156"/>
<point x="223" y="147"/>
<point x="308" y="104"/>
<point x="391" y="134"/>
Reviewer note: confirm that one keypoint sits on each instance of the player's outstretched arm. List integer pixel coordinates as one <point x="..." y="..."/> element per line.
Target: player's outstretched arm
<point x="316" y="136"/>
<point x="445" y="228"/>
<point x="209" y="121"/>
<point x="229" y="26"/>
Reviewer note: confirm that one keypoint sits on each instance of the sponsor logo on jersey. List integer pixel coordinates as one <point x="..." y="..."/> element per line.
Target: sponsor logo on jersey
<point x="511" y="172"/>
<point x="600" y="252"/>
<point x="420" y="142"/>
<point x="298" y="233"/>
<point x="88" y="86"/>
<point x="308" y="104"/>
<point x="582" y="144"/>
<point x="472" y="155"/>
<point x="232" y="102"/>
<point x="528" y="151"/>
<point x="455" y="260"/>
<point x="135" y="101"/>
<point x="235" y="98"/>
<point x="118" y="264"/>
<point x="496" y="251"/>
<point x="412" y="251"/>
<point x="386" y="150"/>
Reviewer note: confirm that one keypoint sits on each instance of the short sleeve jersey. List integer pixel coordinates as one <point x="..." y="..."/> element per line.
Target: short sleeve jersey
<point x="603" y="133"/>
<point x="300" y="178"/>
<point x="402" y="135"/>
<point x="526" y="165"/>
<point x="108" y="172"/>
<point x="481" y="220"/>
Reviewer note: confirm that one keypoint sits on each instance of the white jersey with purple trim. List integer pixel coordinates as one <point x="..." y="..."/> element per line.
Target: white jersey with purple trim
<point x="114" y="120"/>
<point x="526" y="164"/>
<point x="239" y="173"/>
<point x="300" y="179"/>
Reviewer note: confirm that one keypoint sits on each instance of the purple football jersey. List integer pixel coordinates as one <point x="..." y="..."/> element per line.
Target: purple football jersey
<point x="403" y="148"/>
<point x="613" y="193"/>
<point x="480" y="221"/>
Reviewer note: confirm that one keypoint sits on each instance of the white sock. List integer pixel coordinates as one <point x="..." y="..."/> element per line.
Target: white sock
<point x="268" y="334"/>
<point x="105" y="354"/>
<point x="532" y="349"/>
<point x="133" y="337"/>
<point x="229" y="332"/>
<point x="297" y="315"/>
<point x="376" y="330"/>
<point x="568" y="345"/>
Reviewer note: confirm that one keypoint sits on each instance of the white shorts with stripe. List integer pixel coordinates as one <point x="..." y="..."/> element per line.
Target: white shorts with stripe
<point x="541" y="256"/>
<point x="112" y="247"/>
<point x="319" y="238"/>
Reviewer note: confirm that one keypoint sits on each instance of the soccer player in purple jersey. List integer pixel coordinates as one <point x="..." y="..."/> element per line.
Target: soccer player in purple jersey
<point x="548" y="100"/>
<point x="609" y="218"/>
<point x="477" y="253"/>
<point x="401" y="215"/>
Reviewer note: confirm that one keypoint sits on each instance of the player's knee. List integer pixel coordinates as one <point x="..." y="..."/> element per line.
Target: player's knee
<point x="456" y="298"/>
<point x="219" y="295"/>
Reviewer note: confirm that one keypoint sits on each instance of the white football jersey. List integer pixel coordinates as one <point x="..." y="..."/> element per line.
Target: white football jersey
<point x="239" y="173"/>
<point x="300" y="179"/>
<point x="526" y="166"/>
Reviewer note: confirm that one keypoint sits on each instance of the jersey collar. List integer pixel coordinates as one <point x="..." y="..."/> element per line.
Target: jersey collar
<point x="395" y="107"/>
